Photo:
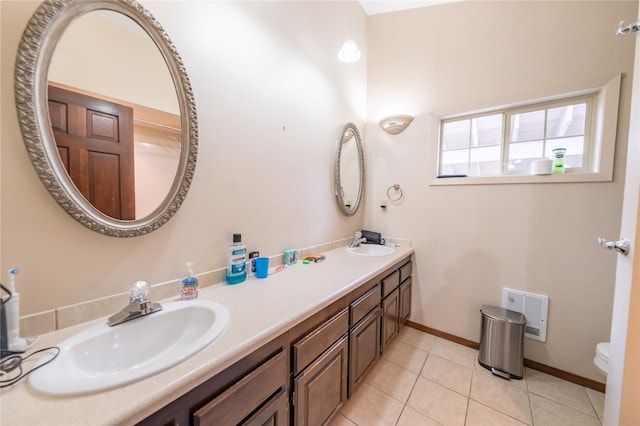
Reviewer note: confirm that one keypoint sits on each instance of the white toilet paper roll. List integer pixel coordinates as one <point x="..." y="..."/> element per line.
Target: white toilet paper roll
<point x="541" y="167"/>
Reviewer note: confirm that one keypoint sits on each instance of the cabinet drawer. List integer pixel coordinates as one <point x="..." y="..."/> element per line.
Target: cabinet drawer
<point x="363" y="305"/>
<point x="405" y="271"/>
<point x="237" y="402"/>
<point x="316" y="342"/>
<point x="390" y="283"/>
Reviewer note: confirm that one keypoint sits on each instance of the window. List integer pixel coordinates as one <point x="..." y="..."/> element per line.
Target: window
<point x="498" y="145"/>
<point x="506" y="142"/>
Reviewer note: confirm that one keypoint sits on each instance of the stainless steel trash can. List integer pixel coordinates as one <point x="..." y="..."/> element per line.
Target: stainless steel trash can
<point x="502" y="341"/>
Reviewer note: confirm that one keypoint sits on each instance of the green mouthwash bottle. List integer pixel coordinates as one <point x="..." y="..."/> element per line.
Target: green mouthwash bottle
<point x="237" y="261"/>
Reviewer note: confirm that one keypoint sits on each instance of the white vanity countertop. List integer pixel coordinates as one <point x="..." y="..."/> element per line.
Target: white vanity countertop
<point x="260" y="310"/>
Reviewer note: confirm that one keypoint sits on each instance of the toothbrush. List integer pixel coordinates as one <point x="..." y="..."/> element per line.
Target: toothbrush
<point x="12" y="279"/>
<point x="16" y="344"/>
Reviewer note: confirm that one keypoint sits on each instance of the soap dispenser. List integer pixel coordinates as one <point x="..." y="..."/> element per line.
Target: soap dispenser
<point x="189" y="284"/>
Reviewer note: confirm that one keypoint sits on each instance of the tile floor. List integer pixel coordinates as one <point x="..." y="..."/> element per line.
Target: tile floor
<point x="425" y="380"/>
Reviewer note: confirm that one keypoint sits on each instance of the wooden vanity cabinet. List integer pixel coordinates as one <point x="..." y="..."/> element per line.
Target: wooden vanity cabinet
<point x="253" y="391"/>
<point x="304" y="376"/>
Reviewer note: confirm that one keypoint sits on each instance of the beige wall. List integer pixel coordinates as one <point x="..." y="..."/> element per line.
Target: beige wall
<point x="272" y="99"/>
<point x="471" y="241"/>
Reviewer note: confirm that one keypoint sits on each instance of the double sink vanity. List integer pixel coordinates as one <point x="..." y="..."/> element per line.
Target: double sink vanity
<point x="296" y="347"/>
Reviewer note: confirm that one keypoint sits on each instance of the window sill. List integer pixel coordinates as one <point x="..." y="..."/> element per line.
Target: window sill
<point x="499" y="180"/>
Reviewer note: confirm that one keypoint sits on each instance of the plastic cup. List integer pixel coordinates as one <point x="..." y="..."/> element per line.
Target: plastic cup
<point x="262" y="267"/>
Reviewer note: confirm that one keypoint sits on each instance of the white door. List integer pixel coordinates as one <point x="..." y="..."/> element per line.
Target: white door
<point x="624" y="267"/>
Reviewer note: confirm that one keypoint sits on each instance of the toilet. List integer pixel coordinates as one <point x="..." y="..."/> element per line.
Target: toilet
<point x="601" y="360"/>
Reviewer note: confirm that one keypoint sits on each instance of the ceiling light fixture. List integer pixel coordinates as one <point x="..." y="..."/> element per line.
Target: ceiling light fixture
<point x="395" y="124"/>
<point x="349" y="53"/>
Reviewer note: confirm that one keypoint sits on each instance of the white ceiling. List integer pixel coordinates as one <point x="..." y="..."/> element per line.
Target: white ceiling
<point x="374" y="7"/>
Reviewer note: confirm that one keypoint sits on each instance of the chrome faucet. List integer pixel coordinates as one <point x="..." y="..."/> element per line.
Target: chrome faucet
<point x="357" y="239"/>
<point x="139" y="305"/>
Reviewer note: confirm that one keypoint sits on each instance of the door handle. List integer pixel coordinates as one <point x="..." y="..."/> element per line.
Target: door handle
<point x="621" y="246"/>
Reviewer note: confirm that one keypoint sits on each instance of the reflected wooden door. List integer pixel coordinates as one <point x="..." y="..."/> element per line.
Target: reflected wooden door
<point x="95" y="142"/>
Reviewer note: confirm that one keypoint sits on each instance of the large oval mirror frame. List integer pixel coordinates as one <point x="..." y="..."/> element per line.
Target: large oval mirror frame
<point x="349" y="170"/>
<point x="34" y="55"/>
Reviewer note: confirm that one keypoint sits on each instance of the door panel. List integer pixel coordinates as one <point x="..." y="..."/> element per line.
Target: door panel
<point x="104" y="175"/>
<point x="621" y="399"/>
<point x="95" y="140"/>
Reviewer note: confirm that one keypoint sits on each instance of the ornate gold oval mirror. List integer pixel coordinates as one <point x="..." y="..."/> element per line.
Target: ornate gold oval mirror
<point x="349" y="170"/>
<point x="107" y="114"/>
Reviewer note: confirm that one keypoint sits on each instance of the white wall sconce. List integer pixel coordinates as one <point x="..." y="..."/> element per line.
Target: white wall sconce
<point x="395" y="124"/>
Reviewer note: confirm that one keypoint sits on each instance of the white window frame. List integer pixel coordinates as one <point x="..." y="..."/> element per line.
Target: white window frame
<point x="599" y="153"/>
<point x="587" y="158"/>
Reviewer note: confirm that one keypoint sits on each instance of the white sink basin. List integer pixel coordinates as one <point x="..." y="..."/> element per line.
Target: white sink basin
<point x="103" y="357"/>
<point x="371" y="250"/>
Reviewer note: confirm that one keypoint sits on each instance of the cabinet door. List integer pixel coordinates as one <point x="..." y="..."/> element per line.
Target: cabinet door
<point x="274" y="413"/>
<point x="390" y="311"/>
<point x="405" y="300"/>
<point x="365" y="347"/>
<point x="321" y="389"/>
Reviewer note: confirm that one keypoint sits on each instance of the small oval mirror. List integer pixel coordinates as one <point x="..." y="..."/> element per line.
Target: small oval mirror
<point x="349" y="170"/>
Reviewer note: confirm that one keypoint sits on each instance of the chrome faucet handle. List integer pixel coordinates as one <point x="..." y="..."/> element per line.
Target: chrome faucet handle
<point x="138" y="292"/>
<point x="357" y="239"/>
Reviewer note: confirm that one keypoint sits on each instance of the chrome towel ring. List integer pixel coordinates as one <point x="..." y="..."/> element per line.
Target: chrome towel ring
<point x="394" y="193"/>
